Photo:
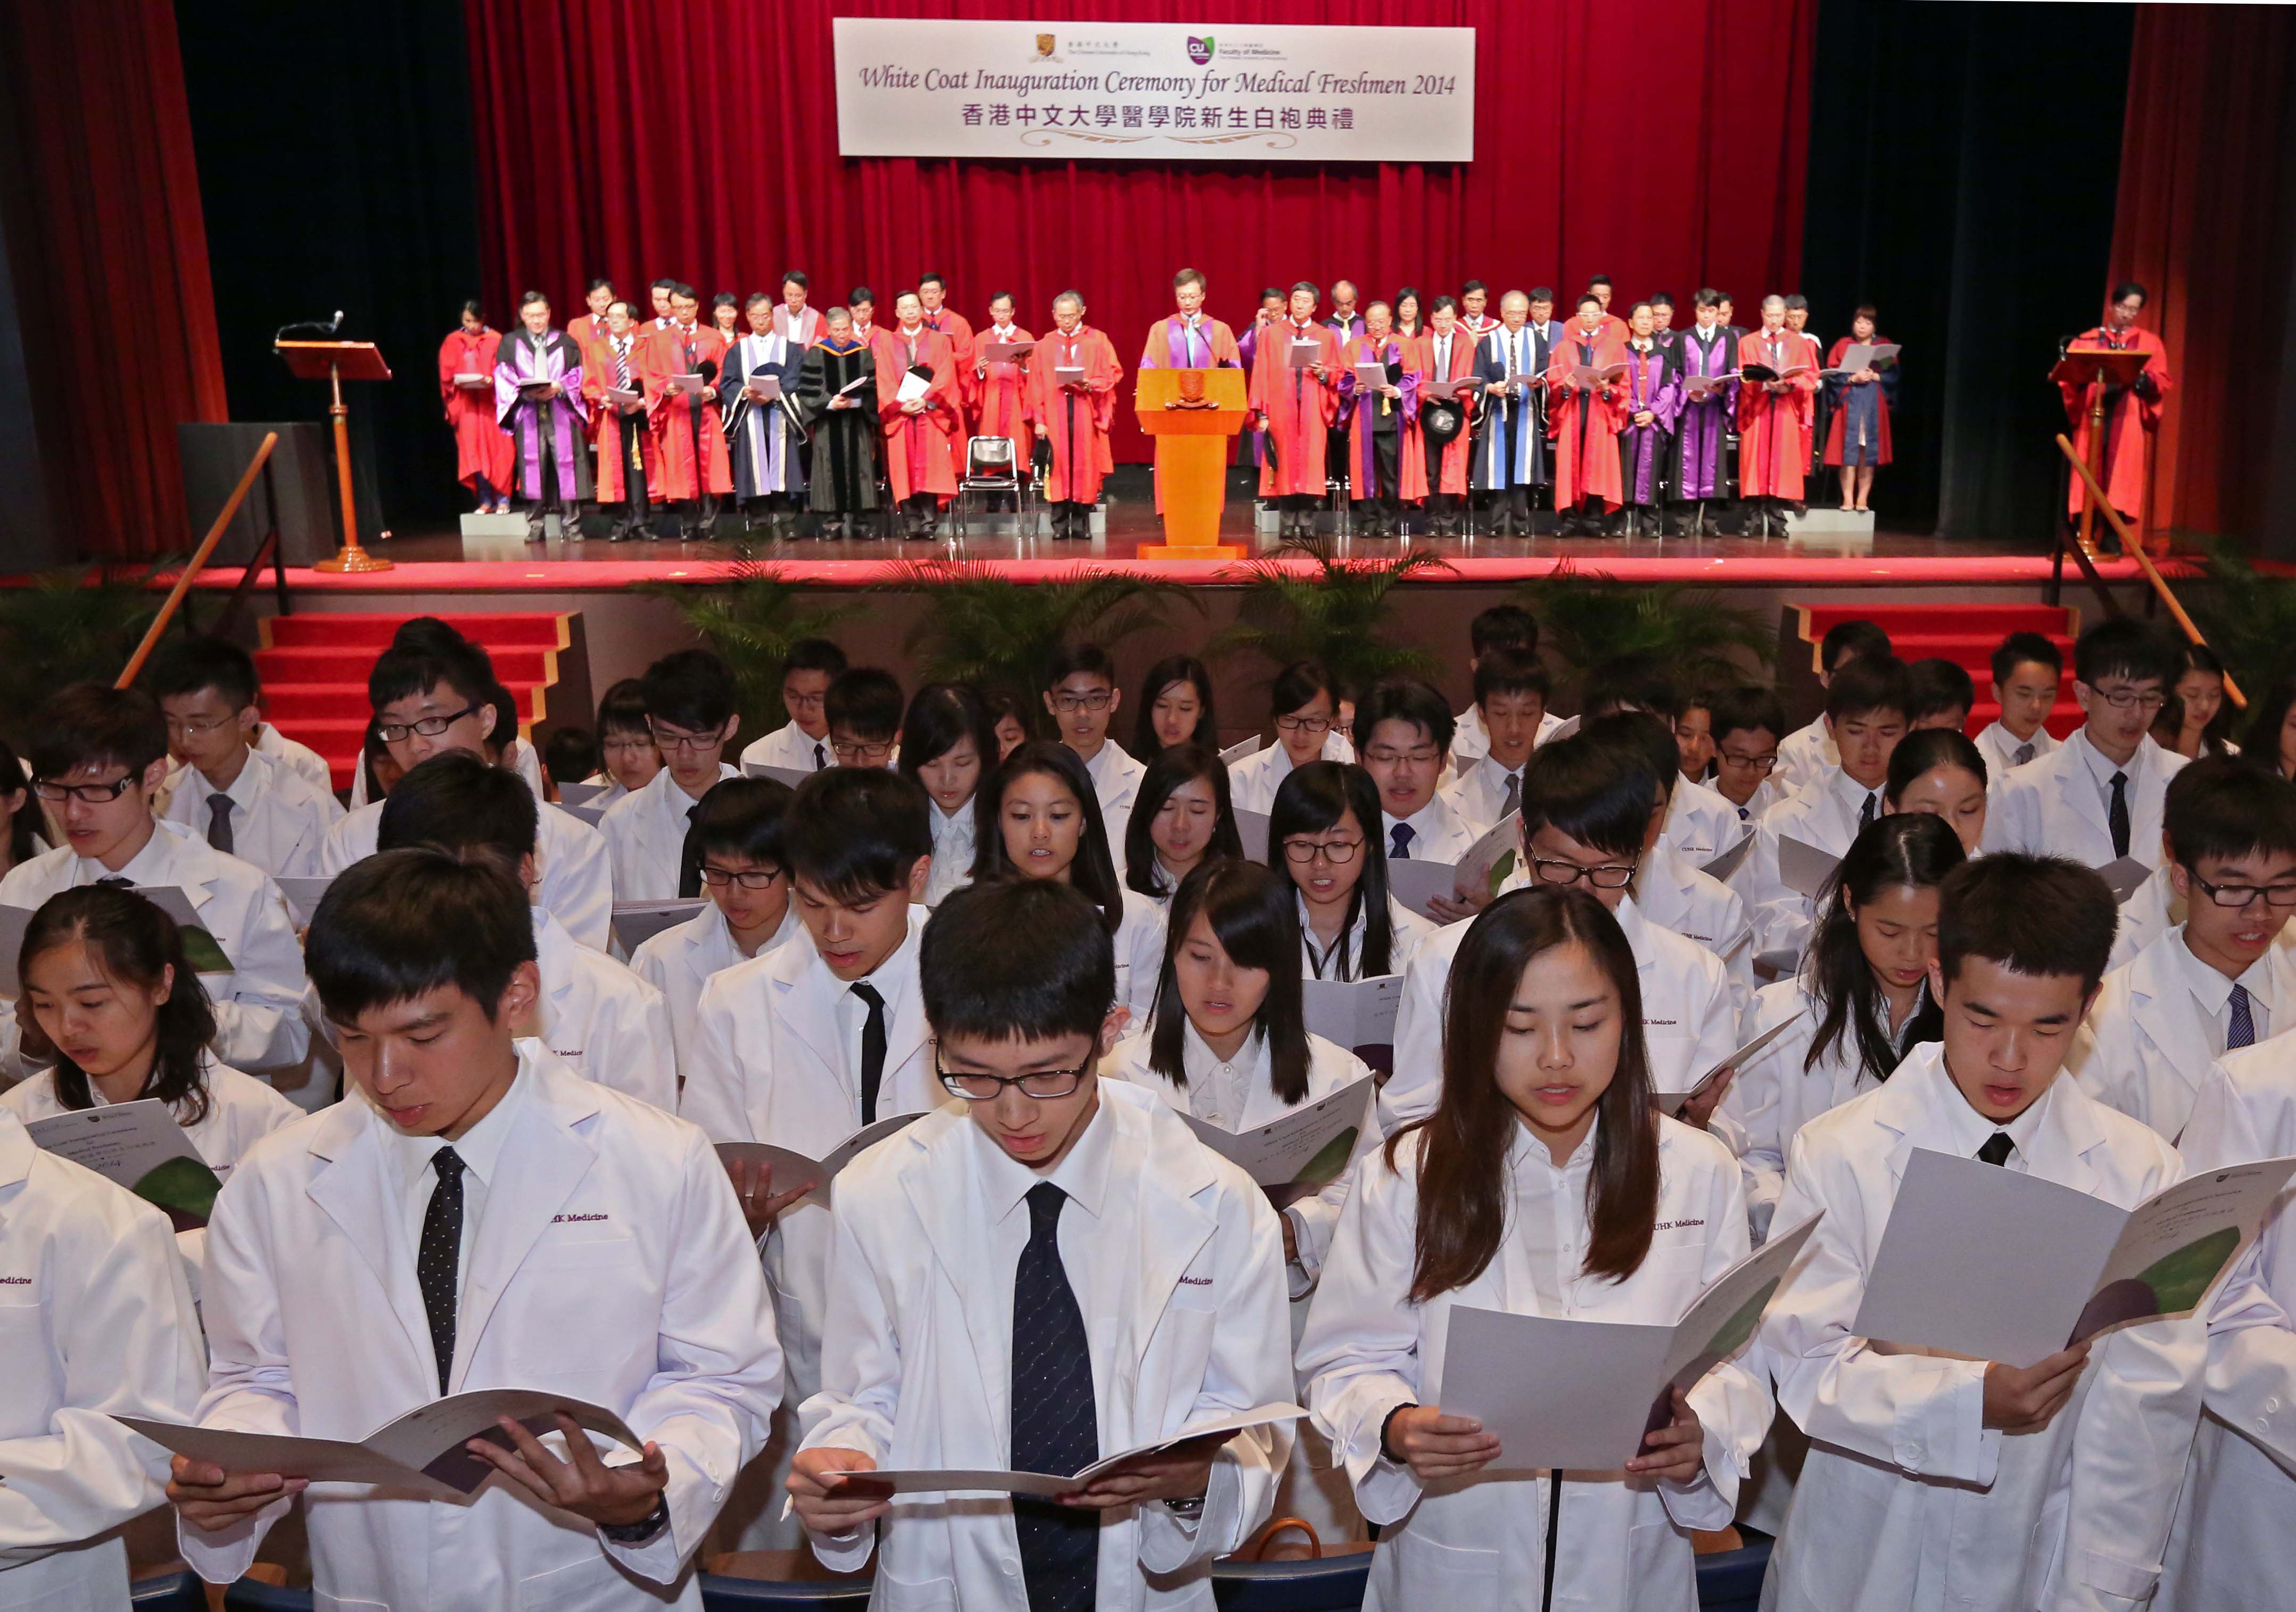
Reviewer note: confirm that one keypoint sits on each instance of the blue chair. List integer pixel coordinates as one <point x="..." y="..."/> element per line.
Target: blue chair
<point x="1731" y="1581"/>
<point x="723" y="1594"/>
<point x="253" y="1595"/>
<point x="1330" y="1584"/>
<point x="169" y="1592"/>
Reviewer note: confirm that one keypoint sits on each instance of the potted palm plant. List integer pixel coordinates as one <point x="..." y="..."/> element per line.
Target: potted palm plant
<point x="752" y="618"/>
<point x="1329" y="608"/>
<point x="1590" y="616"/>
<point x="67" y="627"/>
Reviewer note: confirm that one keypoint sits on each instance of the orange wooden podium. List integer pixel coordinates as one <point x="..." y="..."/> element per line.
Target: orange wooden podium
<point x="2098" y="368"/>
<point x="335" y="363"/>
<point x="1192" y="415"/>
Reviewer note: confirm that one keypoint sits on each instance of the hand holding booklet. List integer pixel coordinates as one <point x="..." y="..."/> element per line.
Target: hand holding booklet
<point x="1990" y="1264"/>
<point x="1302" y="1153"/>
<point x="982" y="1480"/>
<point x="1580" y="1395"/>
<point x="1477" y="876"/>
<point x="1252" y="829"/>
<point x="1670" y="1102"/>
<point x="792" y="1169"/>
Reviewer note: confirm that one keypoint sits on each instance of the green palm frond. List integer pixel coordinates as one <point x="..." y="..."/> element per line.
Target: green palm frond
<point x="2248" y="618"/>
<point x="1587" y="617"/>
<point x="67" y="627"/>
<point x="1335" y="612"/>
<point x="751" y="619"/>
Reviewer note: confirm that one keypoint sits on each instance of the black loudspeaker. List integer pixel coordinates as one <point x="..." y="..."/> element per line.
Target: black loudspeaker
<point x="301" y="474"/>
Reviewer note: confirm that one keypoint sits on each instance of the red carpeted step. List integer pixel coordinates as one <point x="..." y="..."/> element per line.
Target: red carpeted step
<point x="532" y="629"/>
<point x="352" y="665"/>
<point x="288" y="704"/>
<point x="1995" y="620"/>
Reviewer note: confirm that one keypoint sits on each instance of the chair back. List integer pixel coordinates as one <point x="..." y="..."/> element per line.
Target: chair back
<point x="720" y="1593"/>
<point x="168" y="1592"/>
<point x="1330" y="1583"/>
<point x="1731" y="1581"/>
<point x="254" y="1595"/>
<point x="989" y="456"/>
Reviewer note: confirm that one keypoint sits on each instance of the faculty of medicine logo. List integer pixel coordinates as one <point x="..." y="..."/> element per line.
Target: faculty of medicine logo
<point x="1044" y="44"/>
<point x="1200" y="50"/>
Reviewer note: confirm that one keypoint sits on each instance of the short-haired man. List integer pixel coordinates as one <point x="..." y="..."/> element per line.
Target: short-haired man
<point x="1774" y="420"/>
<point x="1707" y="353"/>
<point x="1295" y="398"/>
<point x="1511" y="692"/>
<point x="1072" y="388"/>
<point x="1942" y="694"/>
<point x="1700" y="824"/>
<point x="230" y="794"/>
<point x="1405" y="731"/>
<point x="1511" y="454"/>
<point x="1500" y="626"/>
<point x="794" y="321"/>
<point x="539" y="400"/>
<point x="1081" y="697"/>
<point x="2028" y="670"/>
<point x="801" y="744"/>
<point x="1745" y="725"/>
<point x="2132" y="414"/>
<point x="692" y="711"/>
<point x="1807" y="753"/>
<point x="863" y="711"/>
<point x="677" y="366"/>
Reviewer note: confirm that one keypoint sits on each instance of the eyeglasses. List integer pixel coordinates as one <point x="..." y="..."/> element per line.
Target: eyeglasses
<point x="1070" y="704"/>
<point x="685" y="743"/>
<point x="87" y="794"/>
<point x="1045" y="1083"/>
<point x="622" y="744"/>
<point x="855" y="753"/>
<point x="1608" y="876"/>
<point x="1385" y="757"/>
<point x="748" y="879"/>
<point x="1751" y="764"/>
<point x="803" y="702"/>
<point x="189" y="729"/>
<point x="2240" y="896"/>
<point x="1303" y="724"/>
<point x="429" y="727"/>
<point x="2126" y="699"/>
<point x="1339" y="852"/>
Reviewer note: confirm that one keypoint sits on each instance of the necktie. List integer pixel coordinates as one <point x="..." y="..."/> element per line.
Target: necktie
<point x="1401" y="835"/>
<point x="1059" y="1431"/>
<point x="1996" y="1149"/>
<point x="820" y="758"/>
<point x="2117" y="815"/>
<point x="219" y="821"/>
<point x="2022" y="754"/>
<point x="115" y="882"/>
<point x="440" y="1254"/>
<point x="1745" y="814"/>
<point x="621" y="366"/>
<point x="1866" y="813"/>
<point x="1513" y="798"/>
<point x="689" y="858"/>
<point x="873" y="1050"/>
<point x="2243" y="1033"/>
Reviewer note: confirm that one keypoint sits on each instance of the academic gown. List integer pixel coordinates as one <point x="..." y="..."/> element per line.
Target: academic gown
<point x="1001" y="405"/>
<point x="920" y="449"/>
<point x="1773" y="427"/>
<point x="561" y="420"/>
<point x="1247" y="349"/>
<point x="1510" y="436"/>
<point x="1459" y="455"/>
<point x="1703" y="430"/>
<point x="1647" y="452"/>
<point x="845" y="441"/>
<point x="1585" y="422"/>
<point x="1366" y="415"/>
<point x="1858" y="433"/>
<point x="2130" y="419"/>
<point x="608" y="425"/>
<point x="1299" y="408"/>
<point x="1171" y="345"/>
<point x="803" y="330"/>
<point x="763" y="436"/>
<point x="1076" y="425"/>
<point x="686" y="429"/>
<point x="962" y="346"/>
<point x="481" y="447"/>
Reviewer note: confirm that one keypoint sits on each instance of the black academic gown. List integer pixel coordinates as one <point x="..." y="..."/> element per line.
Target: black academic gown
<point x="843" y="476"/>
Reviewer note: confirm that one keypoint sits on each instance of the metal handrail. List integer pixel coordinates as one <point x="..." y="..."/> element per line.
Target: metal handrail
<point x="2135" y="550"/>
<point x="198" y="558"/>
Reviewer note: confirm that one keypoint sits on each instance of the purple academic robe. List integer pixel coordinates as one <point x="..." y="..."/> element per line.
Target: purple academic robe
<point x="1363" y="473"/>
<point x="1703" y="425"/>
<point x="519" y="360"/>
<point x="1650" y="383"/>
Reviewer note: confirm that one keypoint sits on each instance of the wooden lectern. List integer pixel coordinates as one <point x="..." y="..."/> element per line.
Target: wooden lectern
<point x="1192" y="415"/>
<point x="2098" y="368"/>
<point x="335" y="363"/>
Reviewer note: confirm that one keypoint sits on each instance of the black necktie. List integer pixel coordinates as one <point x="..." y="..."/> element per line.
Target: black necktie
<point x="2241" y="1031"/>
<point x="115" y="882"/>
<point x="2022" y="755"/>
<point x="1996" y="1149"/>
<point x="2117" y="816"/>
<point x="820" y="758"/>
<point x="1058" y="1429"/>
<point x="1400" y="835"/>
<point x="689" y="857"/>
<point x="873" y="1050"/>
<point x="1866" y="813"/>
<point x="1513" y="799"/>
<point x="219" y="821"/>
<point x="439" y="1256"/>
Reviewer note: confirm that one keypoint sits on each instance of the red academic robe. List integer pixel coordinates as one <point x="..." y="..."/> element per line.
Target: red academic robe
<point x="1585" y="424"/>
<point x="607" y="423"/>
<point x="1299" y="408"/>
<point x="1773" y="427"/>
<point x="1074" y="424"/>
<point x="2130" y="420"/>
<point x="954" y="325"/>
<point x="679" y="418"/>
<point x="1833" y="430"/>
<point x="1459" y="453"/>
<point x="920" y="449"/>
<point x="1001" y="405"/>
<point x="589" y="331"/>
<point x="481" y="446"/>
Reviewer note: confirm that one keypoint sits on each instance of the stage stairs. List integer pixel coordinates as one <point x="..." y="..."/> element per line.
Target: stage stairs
<point x="1963" y="633"/>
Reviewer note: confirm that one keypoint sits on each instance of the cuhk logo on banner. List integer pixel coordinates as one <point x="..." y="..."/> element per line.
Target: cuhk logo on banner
<point x="1044" y="44"/>
<point x="1200" y="50"/>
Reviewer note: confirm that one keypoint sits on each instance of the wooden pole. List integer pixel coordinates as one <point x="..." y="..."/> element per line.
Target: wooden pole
<point x="350" y="557"/>
<point x="199" y="558"/>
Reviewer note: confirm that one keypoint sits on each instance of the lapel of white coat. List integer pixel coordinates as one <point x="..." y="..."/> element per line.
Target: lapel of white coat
<point x="2166" y="1011"/>
<point x="1159" y="1163"/>
<point x="945" y="1196"/>
<point x="2147" y="801"/>
<point x="350" y="1187"/>
<point x="2079" y="792"/>
<point x="810" y="1009"/>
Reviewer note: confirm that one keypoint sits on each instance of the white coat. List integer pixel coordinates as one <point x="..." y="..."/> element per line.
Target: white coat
<point x="681" y="959"/>
<point x="603" y="1022"/>
<point x="792" y="748"/>
<point x="278" y="820"/>
<point x="1906" y="1501"/>
<point x="2051" y="806"/>
<point x="1438" y="832"/>
<point x="1479" y="1542"/>
<point x="1999" y="748"/>
<point x="1804" y="756"/>
<point x="258" y="1006"/>
<point x="577" y="873"/>
<point x="610" y="1263"/>
<point x="1139" y="952"/>
<point x="1253" y="782"/>
<point x="94" y="1321"/>
<point x="1826" y="815"/>
<point x="2150" y="911"/>
<point x="1676" y="895"/>
<point x="1700" y="823"/>
<point x="301" y="759"/>
<point x="1478" y="794"/>
<point x="645" y="837"/>
<point x="919" y="1332"/>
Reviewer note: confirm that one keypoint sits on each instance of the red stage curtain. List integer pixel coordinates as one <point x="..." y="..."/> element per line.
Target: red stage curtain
<point x="2196" y="223"/>
<point x="110" y="264"/>
<point x="1660" y="141"/>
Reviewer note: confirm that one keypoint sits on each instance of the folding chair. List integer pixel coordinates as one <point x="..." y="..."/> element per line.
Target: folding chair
<point x="992" y="465"/>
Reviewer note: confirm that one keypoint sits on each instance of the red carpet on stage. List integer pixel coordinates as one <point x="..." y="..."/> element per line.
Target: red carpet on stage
<point x="1965" y="634"/>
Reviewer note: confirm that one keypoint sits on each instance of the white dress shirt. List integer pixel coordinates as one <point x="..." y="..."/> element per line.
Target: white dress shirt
<point x="1438" y="832"/>
<point x="1826" y="816"/>
<point x="1342" y="959"/>
<point x="577" y="870"/>
<point x="278" y="821"/>
<point x="1999" y="746"/>
<point x="1479" y="795"/>
<point x="646" y="836"/>
<point x="791" y="747"/>
<point x="479" y="1148"/>
<point x="953" y="851"/>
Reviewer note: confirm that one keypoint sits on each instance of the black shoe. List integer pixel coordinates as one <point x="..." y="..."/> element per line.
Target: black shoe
<point x="536" y="532"/>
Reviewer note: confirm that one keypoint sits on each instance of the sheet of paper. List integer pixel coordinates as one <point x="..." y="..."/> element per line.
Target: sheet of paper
<point x="1739" y="1060"/>
<point x="1370" y="376"/>
<point x="1304" y="354"/>
<point x="1855" y="358"/>
<point x="623" y="398"/>
<point x="1563" y="730"/>
<point x="1596" y="375"/>
<point x="1429" y="386"/>
<point x="1005" y="352"/>
<point x="1303" y="1152"/>
<point x="1704" y="386"/>
<point x="1415" y="883"/>
<point x="1491" y="861"/>
<point x="635" y="923"/>
<point x="915" y="387"/>
<point x="1803" y="867"/>
<point x="469" y="379"/>
<point x="2177" y="1242"/>
<point x="1252" y="829"/>
<point x="1066" y="374"/>
<point x="1723" y="866"/>
<point x="1723" y="1318"/>
<point x="792" y="1169"/>
<point x="1241" y="748"/>
<point x="303" y="897"/>
<point x="1777" y="965"/>
<point x="689" y="384"/>
<point x="205" y="953"/>
<point x="764" y="389"/>
<point x="587" y="813"/>
<point x="866" y="378"/>
<point x="1357" y="1014"/>
<point x="320" y="1460"/>
<point x="14" y="922"/>
<point x="579" y="794"/>
<point x="957" y="1480"/>
<point x="791" y="776"/>
<point x="2125" y="876"/>
<point x="139" y="1146"/>
<point x="1885" y="353"/>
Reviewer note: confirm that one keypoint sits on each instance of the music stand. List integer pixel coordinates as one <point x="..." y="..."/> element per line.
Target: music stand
<point x="2098" y="368"/>
<point x="335" y="363"/>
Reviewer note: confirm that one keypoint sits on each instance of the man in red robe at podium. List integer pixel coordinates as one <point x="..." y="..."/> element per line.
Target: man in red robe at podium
<point x="538" y="401"/>
<point x="920" y="432"/>
<point x="1773" y="420"/>
<point x="2131" y="413"/>
<point x="629" y="463"/>
<point x="1187" y="340"/>
<point x="1447" y="354"/>
<point x="932" y="292"/>
<point x="687" y="433"/>
<point x="1296" y="403"/>
<point x="1587" y="421"/>
<point x="1003" y="387"/>
<point x="482" y="452"/>
<point x="1072" y="377"/>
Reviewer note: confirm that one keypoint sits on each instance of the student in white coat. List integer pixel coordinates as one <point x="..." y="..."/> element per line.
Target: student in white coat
<point x="1700" y="823"/>
<point x="1174" y="708"/>
<point x="96" y="1323"/>
<point x="1511" y="694"/>
<point x="1936" y="1482"/>
<point x="479" y="1218"/>
<point x="1542" y="1184"/>
<point x="601" y="1020"/>
<point x="427" y="636"/>
<point x="691" y="710"/>
<point x="1305" y="709"/>
<point x="1350" y="927"/>
<point x="803" y="1045"/>
<point x="745" y="875"/>
<point x="2028" y="670"/>
<point x="98" y="753"/>
<point x="1938" y="772"/>
<point x="628" y="757"/>
<point x="802" y="743"/>
<point x="1503" y="627"/>
<point x="1745" y="725"/>
<point x="1866" y="712"/>
<point x="1080" y="693"/>
<point x="2097" y="798"/>
<point x="1053" y="1271"/>
<point x="1406" y="731"/>
<point x="1181" y="819"/>
<point x="433" y="700"/>
<point x="2219" y="981"/>
<point x="948" y="745"/>
<point x="226" y="791"/>
<point x="1038" y="819"/>
<point x="1810" y="753"/>
<point x="1670" y="888"/>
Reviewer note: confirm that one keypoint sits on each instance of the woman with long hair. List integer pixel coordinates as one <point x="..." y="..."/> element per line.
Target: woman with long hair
<point x="2207" y="726"/>
<point x="1940" y="773"/>
<point x="1543" y="1184"/>
<point x="1010" y="716"/>
<point x="1176" y="707"/>
<point x="19" y="821"/>
<point x="1180" y="818"/>
<point x="948" y="745"/>
<point x="1038" y="817"/>
<point x="1323" y="839"/>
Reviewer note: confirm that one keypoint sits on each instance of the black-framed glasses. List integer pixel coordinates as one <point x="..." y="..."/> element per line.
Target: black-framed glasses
<point x="1070" y="704"/>
<point x="1339" y="852"/>
<point x="1603" y="876"/>
<point x="1043" y="1083"/>
<point x="86" y="794"/>
<point x="1303" y="724"/>
<point x="191" y="728"/>
<point x="1752" y="764"/>
<point x="858" y="753"/>
<point x="429" y="727"/>
<point x="748" y="879"/>
<point x="2125" y="699"/>
<point x="2240" y="896"/>
<point x="665" y="738"/>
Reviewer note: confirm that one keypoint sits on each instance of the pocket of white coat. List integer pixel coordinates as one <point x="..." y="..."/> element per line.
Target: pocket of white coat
<point x="891" y="1594"/>
<point x="1660" y="1571"/>
<point x="593" y="1581"/>
<point x="1427" y="1569"/>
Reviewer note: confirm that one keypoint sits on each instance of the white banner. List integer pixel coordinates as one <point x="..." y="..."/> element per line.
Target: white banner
<point x="1155" y="91"/>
